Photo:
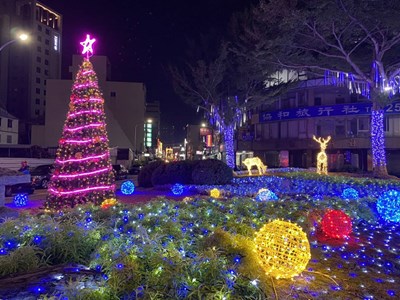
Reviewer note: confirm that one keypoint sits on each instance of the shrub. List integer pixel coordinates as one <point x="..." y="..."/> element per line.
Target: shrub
<point x="211" y="171"/>
<point x="144" y="177"/>
<point x="174" y="172"/>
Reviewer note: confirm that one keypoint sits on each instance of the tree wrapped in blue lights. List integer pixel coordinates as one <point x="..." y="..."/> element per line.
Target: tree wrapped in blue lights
<point x="349" y="43"/>
<point x="224" y="87"/>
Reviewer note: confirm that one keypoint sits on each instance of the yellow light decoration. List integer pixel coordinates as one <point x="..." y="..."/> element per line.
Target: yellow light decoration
<point x="108" y="203"/>
<point x="255" y="161"/>
<point x="282" y="248"/>
<point x="322" y="158"/>
<point x="187" y="199"/>
<point x="215" y="193"/>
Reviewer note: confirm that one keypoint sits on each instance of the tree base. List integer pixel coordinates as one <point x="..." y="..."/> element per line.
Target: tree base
<point x="381" y="172"/>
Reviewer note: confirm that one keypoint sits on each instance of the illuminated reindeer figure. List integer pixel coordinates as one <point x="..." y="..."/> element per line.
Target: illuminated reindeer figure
<point x="254" y="161"/>
<point x="322" y="158"/>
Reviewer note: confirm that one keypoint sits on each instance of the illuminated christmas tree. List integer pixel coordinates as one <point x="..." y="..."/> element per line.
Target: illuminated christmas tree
<point x="83" y="170"/>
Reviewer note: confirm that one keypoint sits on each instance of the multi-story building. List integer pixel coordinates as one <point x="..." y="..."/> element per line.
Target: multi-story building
<point x="8" y="128"/>
<point x="152" y="126"/>
<point x="25" y="69"/>
<point x="281" y="132"/>
<point x="124" y="108"/>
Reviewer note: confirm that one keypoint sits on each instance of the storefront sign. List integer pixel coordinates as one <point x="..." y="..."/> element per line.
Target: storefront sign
<point x="325" y="111"/>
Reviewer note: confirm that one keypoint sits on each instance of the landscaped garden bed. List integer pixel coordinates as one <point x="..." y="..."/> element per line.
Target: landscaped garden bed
<point x="204" y="248"/>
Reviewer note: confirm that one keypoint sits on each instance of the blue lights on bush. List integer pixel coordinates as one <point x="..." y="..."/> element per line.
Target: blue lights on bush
<point x="388" y="206"/>
<point x="266" y="195"/>
<point x="177" y="189"/>
<point x="127" y="187"/>
<point x="350" y="193"/>
<point x="21" y="200"/>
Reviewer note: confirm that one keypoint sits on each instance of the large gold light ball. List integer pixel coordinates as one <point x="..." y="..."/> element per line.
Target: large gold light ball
<point x="282" y="248"/>
<point x="215" y="193"/>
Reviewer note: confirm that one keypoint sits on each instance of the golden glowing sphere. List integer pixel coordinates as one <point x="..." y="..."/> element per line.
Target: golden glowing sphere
<point x="108" y="203"/>
<point x="215" y="193"/>
<point x="282" y="248"/>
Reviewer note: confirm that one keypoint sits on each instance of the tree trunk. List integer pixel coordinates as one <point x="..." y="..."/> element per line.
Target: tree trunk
<point x="378" y="142"/>
<point x="229" y="146"/>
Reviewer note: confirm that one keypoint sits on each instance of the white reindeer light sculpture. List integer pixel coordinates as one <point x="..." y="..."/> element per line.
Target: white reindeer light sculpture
<point x="255" y="161"/>
<point x="322" y="158"/>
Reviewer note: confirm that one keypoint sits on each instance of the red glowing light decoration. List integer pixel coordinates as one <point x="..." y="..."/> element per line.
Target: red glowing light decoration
<point x="336" y="224"/>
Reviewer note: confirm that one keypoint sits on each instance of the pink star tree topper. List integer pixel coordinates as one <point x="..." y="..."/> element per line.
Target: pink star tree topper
<point x="88" y="46"/>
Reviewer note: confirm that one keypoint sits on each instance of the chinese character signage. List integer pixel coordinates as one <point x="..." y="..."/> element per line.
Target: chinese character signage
<point x="325" y="111"/>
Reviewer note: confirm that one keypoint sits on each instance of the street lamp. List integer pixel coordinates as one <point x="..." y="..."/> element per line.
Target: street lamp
<point x="21" y="37"/>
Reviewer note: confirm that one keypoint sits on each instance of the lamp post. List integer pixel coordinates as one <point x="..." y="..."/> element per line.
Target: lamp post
<point x="135" y="137"/>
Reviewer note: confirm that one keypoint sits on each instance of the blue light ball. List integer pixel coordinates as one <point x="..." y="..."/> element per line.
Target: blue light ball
<point x="388" y="206"/>
<point x="177" y="189"/>
<point x="21" y="200"/>
<point x="266" y="195"/>
<point x="127" y="187"/>
<point x="350" y="193"/>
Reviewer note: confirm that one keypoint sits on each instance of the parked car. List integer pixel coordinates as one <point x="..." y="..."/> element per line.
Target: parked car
<point x="120" y="172"/>
<point x="135" y="169"/>
<point x="41" y="176"/>
<point x="19" y="188"/>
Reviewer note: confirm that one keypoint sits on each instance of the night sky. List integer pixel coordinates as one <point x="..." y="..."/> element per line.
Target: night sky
<point x="140" y="37"/>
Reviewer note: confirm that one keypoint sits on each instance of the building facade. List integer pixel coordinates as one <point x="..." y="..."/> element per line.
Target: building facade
<point x="281" y="133"/>
<point x="152" y="125"/>
<point x="25" y="69"/>
<point x="124" y="108"/>
<point x="8" y="128"/>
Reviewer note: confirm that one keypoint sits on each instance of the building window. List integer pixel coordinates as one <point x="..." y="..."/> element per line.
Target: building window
<point x="46" y="72"/>
<point x="47" y="31"/>
<point x="318" y="130"/>
<point x="37" y="91"/>
<point x="340" y="130"/>
<point x="386" y="124"/>
<point x="363" y="124"/>
<point x="37" y="101"/>
<point x="39" y="28"/>
<point x="44" y="92"/>
<point x="283" y="130"/>
<point x="47" y="42"/>
<point x="113" y="94"/>
<point x="301" y="100"/>
<point x="9" y="139"/>
<point x="39" y="38"/>
<point x="0" y="122"/>
<point x="39" y="49"/>
<point x="55" y="43"/>
<point x="38" y="70"/>
<point x="9" y="123"/>
<point x="317" y="101"/>
<point x="37" y="80"/>
<point x="46" y="62"/>
<point x="45" y="82"/>
<point x="340" y="100"/>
